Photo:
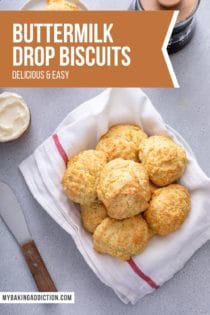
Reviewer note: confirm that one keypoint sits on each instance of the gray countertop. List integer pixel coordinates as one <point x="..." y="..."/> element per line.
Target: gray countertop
<point x="186" y="109"/>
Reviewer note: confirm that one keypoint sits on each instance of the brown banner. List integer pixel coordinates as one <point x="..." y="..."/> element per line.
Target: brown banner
<point x="83" y="49"/>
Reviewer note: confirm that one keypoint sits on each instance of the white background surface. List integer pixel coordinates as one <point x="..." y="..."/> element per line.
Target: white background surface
<point x="186" y="109"/>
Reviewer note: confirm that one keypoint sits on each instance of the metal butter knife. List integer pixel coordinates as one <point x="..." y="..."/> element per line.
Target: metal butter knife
<point x="12" y="215"/>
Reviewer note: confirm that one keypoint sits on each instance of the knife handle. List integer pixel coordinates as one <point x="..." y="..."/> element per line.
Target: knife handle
<point x="37" y="267"/>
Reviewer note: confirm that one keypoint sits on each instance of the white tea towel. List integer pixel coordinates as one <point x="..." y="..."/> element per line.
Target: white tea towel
<point x="81" y="130"/>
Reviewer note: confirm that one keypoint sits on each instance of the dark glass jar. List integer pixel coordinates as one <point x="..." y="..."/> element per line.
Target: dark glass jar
<point x="183" y="31"/>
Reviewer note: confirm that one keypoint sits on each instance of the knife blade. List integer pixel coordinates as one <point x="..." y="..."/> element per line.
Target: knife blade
<point x="12" y="215"/>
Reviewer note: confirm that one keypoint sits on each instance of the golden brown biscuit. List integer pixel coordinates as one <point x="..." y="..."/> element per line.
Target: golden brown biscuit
<point x="80" y="178"/>
<point x="118" y="148"/>
<point x="132" y="133"/>
<point x="122" y="239"/>
<point x="168" y="209"/>
<point x="92" y="215"/>
<point x="122" y="141"/>
<point x="57" y="5"/>
<point x="164" y="160"/>
<point x="123" y="187"/>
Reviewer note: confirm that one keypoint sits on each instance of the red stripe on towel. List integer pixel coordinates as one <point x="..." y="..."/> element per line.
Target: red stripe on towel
<point x="142" y="275"/>
<point x="131" y="262"/>
<point x="60" y="148"/>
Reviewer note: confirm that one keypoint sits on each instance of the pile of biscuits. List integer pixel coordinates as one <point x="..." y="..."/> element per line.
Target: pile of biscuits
<point x="127" y="189"/>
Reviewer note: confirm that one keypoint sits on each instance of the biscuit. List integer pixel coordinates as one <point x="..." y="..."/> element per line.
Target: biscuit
<point x="168" y="209"/>
<point x="123" y="187"/>
<point x="164" y="160"/>
<point x="117" y="148"/>
<point x="57" y="5"/>
<point x="122" y="141"/>
<point x="122" y="239"/>
<point x="132" y="133"/>
<point x="92" y="215"/>
<point x="80" y="178"/>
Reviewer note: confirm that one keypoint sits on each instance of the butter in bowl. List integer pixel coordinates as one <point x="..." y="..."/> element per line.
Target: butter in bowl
<point x="14" y="116"/>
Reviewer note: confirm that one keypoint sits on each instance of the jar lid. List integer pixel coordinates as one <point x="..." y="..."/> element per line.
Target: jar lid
<point x="186" y="7"/>
<point x="169" y="3"/>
